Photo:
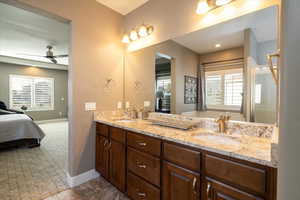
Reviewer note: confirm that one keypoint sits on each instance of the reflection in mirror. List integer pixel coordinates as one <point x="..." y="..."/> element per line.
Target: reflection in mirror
<point x="222" y="68"/>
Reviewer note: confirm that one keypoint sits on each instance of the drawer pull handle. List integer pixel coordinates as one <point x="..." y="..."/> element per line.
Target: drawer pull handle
<point x="141" y="194"/>
<point x="142" y="144"/>
<point x="140" y="165"/>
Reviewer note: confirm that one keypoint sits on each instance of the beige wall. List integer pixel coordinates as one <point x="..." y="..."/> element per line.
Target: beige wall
<point x="289" y="138"/>
<point x="96" y="54"/>
<point x="228" y="54"/>
<point x="175" y="18"/>
<point x="60" y="88"/>
<point x="140" y="67"/>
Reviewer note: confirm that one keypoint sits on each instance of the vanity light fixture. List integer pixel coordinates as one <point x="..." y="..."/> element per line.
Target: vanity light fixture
<point x="205" y="6"/>
<point x="133" y="35"/>
<point x="126" y="39"/>
<point x="143" y="31"/>
<point x="222" y="2"/>
<point x="136" y="33"/>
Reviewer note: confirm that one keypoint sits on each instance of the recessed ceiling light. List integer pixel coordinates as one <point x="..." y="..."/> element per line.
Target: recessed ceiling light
<point x="218" y="45"/>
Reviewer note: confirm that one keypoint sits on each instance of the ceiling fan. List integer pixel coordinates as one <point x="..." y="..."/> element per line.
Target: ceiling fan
<point x="49" y="55"/>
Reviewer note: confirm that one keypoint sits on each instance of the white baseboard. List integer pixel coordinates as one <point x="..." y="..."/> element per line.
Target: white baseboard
<point x="82" y="178"/>
<point x="51" y="120"/>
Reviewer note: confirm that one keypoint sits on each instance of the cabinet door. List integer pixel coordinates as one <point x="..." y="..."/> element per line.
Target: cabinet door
<point x="214" y="190"/>
<point x="117" y="165"/>
<point x="180" y="183"/>
<point x="102" y="156"/>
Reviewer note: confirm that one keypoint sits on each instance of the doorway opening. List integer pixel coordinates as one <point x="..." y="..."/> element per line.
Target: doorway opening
<point x="163" y="83"/>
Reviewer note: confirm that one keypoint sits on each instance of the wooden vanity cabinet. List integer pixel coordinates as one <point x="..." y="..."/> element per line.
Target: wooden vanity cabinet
<point x="145" y="167"/>
<point x="111" y="155"/>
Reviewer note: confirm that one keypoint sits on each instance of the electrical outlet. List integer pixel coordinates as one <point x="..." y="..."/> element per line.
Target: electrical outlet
<point x="90" y="106"/>
<point x="147" y="103"/>
<point x="119" y="105"/>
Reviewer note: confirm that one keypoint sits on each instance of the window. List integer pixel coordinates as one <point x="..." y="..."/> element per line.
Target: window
<point x="35" y="93"/>
<point x="258" y="93"/>
<point x="224" y="89"/>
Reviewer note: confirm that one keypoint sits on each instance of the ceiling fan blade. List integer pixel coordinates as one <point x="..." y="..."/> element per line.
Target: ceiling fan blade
<point x="53" y="60"/>
<point x="61" y="56"/>
<point x="24" y="54"/>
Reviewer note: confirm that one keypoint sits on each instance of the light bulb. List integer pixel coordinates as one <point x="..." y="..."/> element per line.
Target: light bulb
<point x="150" y="29"/>
<point x="126" y="39"/>
<point x="133" y="35"/>
<point x="202" y="7"/>
<point x="222" y="2"/>
<point x="143" y="31"/>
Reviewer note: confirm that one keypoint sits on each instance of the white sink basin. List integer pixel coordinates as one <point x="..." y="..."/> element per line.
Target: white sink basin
<point x="227" y="142"/>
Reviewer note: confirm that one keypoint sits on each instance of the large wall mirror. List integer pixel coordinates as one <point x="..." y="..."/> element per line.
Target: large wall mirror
<point x="223" y="68"/>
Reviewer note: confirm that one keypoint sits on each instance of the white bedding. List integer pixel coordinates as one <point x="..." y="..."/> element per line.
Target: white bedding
<point x="18" y="126"/>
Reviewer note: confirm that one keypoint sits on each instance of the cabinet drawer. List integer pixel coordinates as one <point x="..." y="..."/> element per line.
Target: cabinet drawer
<point x="139" y="189"/>
<point x="182" y="156"/>
<point x="102" y="129"/>
<point x="144" y="143"/>
<point x="118" y="134"/>
<point x="144" y="165"/>
<point x="236" y="173"/>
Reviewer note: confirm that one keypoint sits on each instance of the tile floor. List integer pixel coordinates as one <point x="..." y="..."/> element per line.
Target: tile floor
<point x="37" y="173"/>
<point x="97" y="189"/>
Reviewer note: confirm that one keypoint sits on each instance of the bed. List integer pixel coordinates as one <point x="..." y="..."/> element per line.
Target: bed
<point x="19" y="129"/>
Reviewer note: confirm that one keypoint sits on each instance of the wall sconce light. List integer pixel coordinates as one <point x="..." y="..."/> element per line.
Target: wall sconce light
<point x="205" y="6"/>
<point x="140" y="32"/>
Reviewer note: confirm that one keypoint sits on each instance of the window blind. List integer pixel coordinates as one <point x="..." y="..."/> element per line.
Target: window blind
<point x="224" y="89"/>
<point x="36" y="93"/>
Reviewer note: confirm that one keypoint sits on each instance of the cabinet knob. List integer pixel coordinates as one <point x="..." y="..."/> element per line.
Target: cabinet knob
<point x="141" y="194"/>
<point x="143" y="144"/>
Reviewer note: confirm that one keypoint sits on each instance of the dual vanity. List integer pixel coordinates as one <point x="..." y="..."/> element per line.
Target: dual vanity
<point x="152" y="162"/>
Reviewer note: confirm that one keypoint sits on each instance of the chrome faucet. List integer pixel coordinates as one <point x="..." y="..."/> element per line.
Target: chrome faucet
<point x="222" y="120"/>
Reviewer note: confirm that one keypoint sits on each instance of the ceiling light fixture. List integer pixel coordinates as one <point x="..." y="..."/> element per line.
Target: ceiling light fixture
<point x="205" y="6"/>
<point x="140" y="32"/>
<point x="218" y="45"/>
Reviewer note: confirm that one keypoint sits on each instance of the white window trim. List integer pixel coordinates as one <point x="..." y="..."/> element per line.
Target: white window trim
<point x="32" y="109"/>
<point x="222" y="107"/>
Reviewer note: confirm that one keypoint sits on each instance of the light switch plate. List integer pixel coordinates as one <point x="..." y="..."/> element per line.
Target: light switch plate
<point x="90" y="106"/>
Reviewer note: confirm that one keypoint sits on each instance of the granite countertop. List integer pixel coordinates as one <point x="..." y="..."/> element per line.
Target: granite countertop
<point x="249" y="148"/>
